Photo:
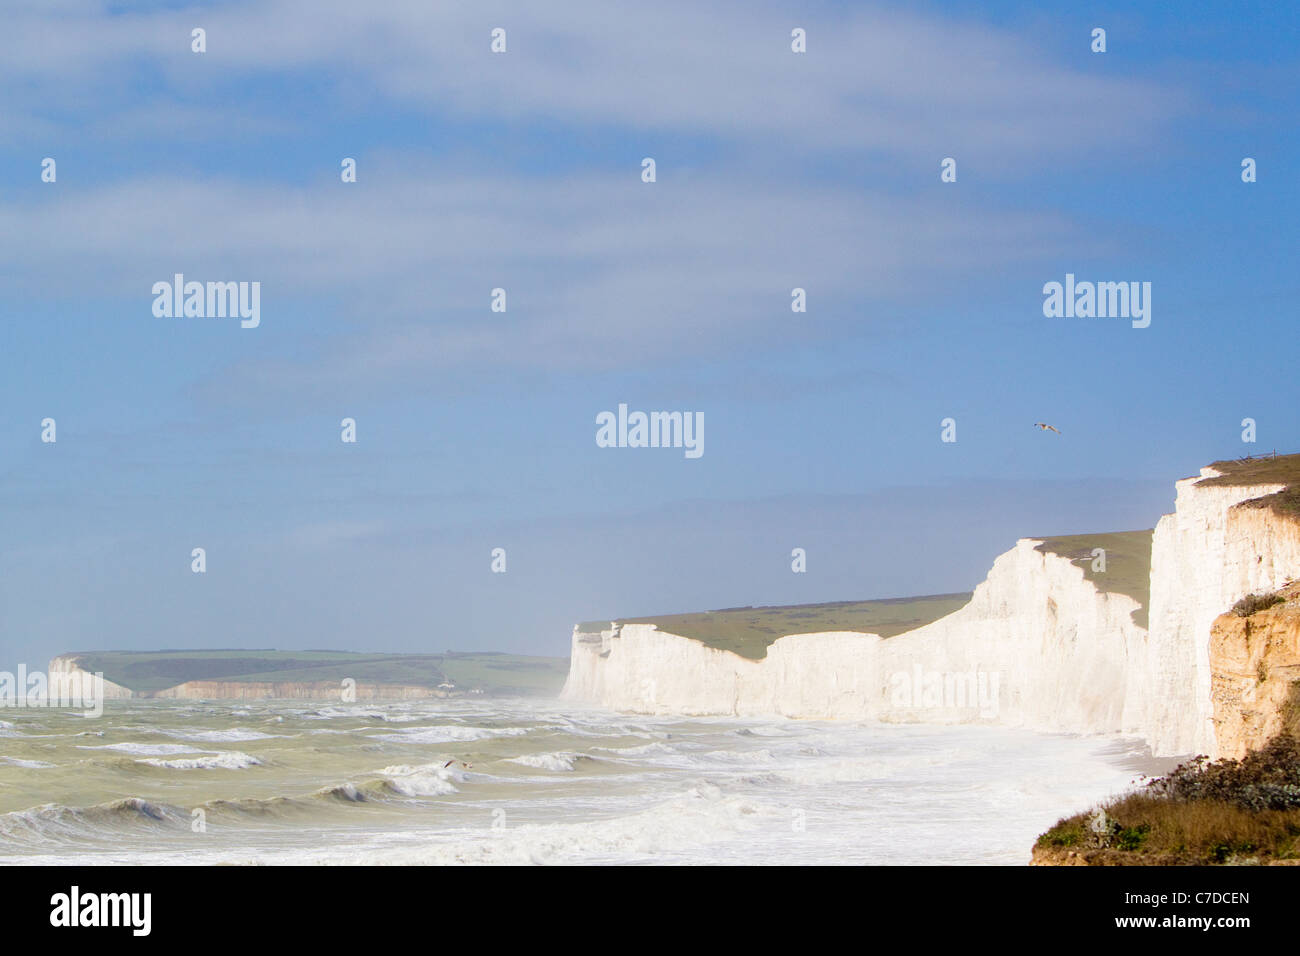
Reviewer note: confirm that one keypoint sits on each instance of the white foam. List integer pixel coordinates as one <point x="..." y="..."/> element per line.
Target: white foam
<point x="701" y="816"/>
<point x="428" y="780"/>
<point x="228" y="760"/>
<point x="641" y="750"/>
<point x="29" y="764"/>
<point x="353" y="713"/>
<point x="233" y="735"/>
<point x="445" y="733"/>
<point x="559" y="762"/>
<point x="145" y="750"/>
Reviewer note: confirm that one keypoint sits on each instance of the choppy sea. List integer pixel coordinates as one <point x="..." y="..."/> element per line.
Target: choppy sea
<point x="528" y="781"/>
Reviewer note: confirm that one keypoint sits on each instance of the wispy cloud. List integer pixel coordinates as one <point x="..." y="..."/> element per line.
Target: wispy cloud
<point x="877" y="79"/>
<point x="597" y="270"/>
<point x="601" y="271"/>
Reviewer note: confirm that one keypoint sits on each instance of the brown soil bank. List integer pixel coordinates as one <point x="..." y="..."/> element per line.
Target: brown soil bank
<point x="1255" y="671"/>
<point x="1058" y="856"/>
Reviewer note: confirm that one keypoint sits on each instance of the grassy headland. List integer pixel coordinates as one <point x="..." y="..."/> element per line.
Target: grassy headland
<point x="749" y="631"/>
<point x="1263" y="470"/>
<point x="1128" y="563"/>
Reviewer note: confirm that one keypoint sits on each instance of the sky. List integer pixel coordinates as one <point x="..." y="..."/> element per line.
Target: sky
<point x="523" y="170"/>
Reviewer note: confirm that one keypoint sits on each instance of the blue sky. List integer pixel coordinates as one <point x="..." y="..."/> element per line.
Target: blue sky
<point x="522" y="170"/>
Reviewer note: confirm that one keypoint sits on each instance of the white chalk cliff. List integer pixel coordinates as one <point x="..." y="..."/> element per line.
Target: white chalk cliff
<point x="1039" y="646"/>
<point x="67" y="667"/>
<point x="1205" y="557"/>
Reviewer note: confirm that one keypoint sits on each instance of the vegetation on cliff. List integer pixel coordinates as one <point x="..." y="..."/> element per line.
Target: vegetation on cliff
<point x="1263" y="470"/>
<point x="749" y="631"/>
<point x="1252" y="604"/>
<point x="1243" y="811"/>
<point x="1127" y="568"/>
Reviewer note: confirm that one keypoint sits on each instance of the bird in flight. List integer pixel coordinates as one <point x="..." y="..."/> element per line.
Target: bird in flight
<point x="1045" y="427"/>
<point x="461" y="762"/>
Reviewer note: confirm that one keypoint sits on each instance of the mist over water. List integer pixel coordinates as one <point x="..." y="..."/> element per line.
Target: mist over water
<point x="548" y="782"/>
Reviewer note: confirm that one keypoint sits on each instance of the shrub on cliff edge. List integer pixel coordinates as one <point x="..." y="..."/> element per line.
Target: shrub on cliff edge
<point x="1254" y="603"/>
<point x="1264" y="779"/>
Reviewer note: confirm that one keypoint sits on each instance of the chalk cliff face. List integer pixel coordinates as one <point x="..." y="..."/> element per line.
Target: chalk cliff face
<point x="69" y="666"/>
<point x="1207" y="555"/>
<point x="1039" y="646"/>
<point x="1255" y="670"/>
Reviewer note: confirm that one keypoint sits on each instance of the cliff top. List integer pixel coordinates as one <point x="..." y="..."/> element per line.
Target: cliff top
<point x="1263" y="470"/>
<point x="150" y="671"/>
<point x="749" y="631"/>
<point x="1128" y="563"/>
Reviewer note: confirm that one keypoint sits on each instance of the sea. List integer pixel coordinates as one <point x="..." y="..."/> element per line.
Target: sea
<point x="528" y="781"/>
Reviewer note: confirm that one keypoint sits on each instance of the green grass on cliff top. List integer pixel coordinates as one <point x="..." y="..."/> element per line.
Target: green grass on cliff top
<point x="1128" y="563"/>
<point x="1263" y="470"/>
<point x="151" y="671"/>
<point x="748" y="631"/>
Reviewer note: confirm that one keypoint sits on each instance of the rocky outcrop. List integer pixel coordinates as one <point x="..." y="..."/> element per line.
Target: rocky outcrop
<point x="1255" y="674"/>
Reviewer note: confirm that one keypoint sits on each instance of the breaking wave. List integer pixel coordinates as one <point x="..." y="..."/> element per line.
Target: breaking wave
<point x="227" y="760"/>
<point x="560" y="762"/>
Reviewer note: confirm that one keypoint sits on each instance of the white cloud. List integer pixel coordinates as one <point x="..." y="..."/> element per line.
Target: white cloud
<point x="601" y="270"/>
<point x="598" y="271"/>
<point x="876" y="79"/>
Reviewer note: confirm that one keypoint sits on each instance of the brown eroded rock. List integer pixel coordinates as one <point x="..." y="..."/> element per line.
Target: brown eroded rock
<point x="1255" y="674"/>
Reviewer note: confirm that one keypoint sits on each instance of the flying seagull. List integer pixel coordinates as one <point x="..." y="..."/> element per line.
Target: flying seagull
<point x="462" y="763"/>
<point x="1045" y="427"/>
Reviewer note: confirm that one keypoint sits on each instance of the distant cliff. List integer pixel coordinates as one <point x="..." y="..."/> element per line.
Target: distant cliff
<point x="242" y="674"/>
<point x="314" y="690"/>
<point x="70" y="665"/>
<point x="251" y="690"/>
